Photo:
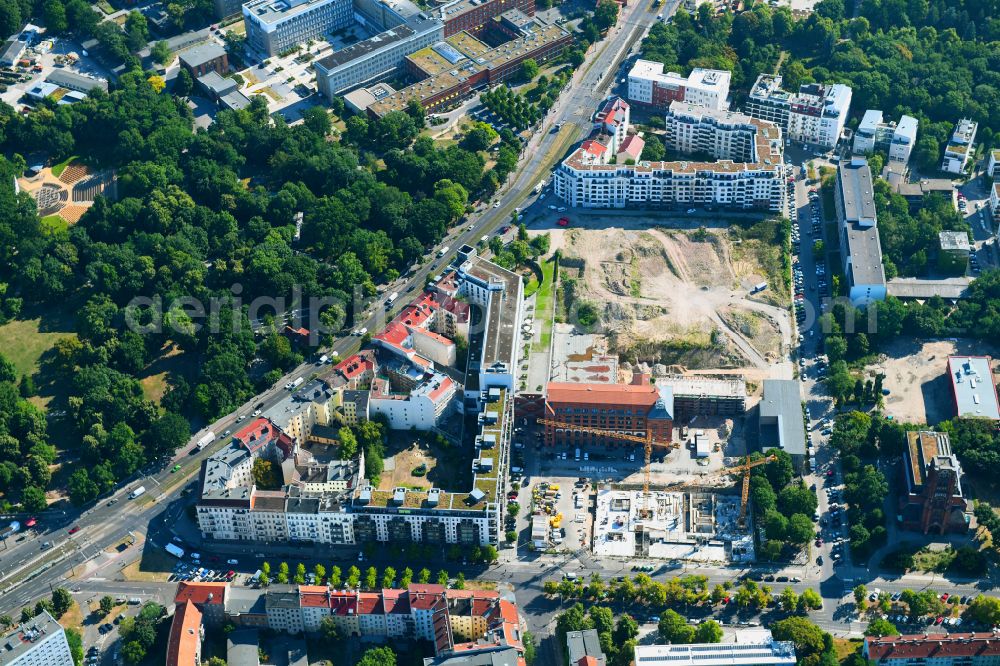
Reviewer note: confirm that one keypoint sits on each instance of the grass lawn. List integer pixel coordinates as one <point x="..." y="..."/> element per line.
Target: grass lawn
<point x="73" y="618"/>
<point x="544" y="302"/>
<point x="171" y="361"/>
<point x="24" y="341"/>
<point x="59" y="168"/>
<point x="106" y="7"/>
<point x="54" y="224"/>
<point x="845" y="647"/>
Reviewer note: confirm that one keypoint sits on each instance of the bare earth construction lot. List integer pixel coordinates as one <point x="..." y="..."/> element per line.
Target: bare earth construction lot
<point x="916" y="376"/>
<point x="686" y="290"/>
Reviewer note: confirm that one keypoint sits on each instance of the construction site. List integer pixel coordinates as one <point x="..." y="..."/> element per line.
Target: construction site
<point x="698" y="526"/>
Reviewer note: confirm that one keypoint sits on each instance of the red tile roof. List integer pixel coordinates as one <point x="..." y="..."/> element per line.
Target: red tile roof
<point x="395" y="601"/>
<point x="625" y="395"/>
<point x="355" y="366"/>
<point x="201" y="593"/>
<point x="593" y="147"/>
<point x="314" y="596"/>
<point x="587" y="661"/>
<point x="185" y="636"/>
<point x="936" y="646"/>
<point x="632" y="146"/>
<point x="425" y="597"/>
<point x="369" y="602"/>
<point x="343" y="603"/>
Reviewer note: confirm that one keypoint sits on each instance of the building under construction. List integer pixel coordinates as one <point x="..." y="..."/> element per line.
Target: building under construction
<point x="701" y="526"/>
<point x="706" y="396"/>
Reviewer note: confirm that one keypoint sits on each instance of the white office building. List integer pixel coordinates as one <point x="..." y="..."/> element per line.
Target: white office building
<point x="897" y="139"/>
<point x="757" y="648"/>
<point x="648" y="84"/>
<point x="373" y="59"/>
<point x="39" y="642"/>
<point x="814" y="116"/>
<point x="275" y="26"/>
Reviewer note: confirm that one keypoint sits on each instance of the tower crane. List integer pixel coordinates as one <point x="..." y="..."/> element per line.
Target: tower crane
<point x="648" y="443"/>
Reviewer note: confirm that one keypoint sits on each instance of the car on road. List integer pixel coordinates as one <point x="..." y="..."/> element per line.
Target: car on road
<point x="175" y="468"/>
<point x="74" y="529"/>
<point x="496" y="204"/>
<point x="563" y="222"/>
<point x="690" y="211"/>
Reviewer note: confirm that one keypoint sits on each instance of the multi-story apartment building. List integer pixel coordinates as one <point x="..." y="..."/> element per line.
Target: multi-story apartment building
<point x="376" y="58"/>
<point x="329" y="500"/>
<point x="632" y="409"/>
<point x="649" y="85"/>
<point x="724" y="135"/>
<point x="613" y="120"/>
<point x="859" y="240"/>
<point x="993" y="165"/>
<point x="40" y="641"/>
<point x="818" y="113"/>
<point x="814" y="116"/>
<point x="978" y="649"/>
<point x="932" y="501"/>
<point x="586" y="179"/>
<point x="454" y="621"/>
<point x="961" y="146"/>
<point x="275" y="26"/>
<point x="995" y="204"/>
<point x="897" y="139"/>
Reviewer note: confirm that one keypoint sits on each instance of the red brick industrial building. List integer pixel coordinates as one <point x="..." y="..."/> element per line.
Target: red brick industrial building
<point x="932" y="500"/>
<point x="630" y="409"/>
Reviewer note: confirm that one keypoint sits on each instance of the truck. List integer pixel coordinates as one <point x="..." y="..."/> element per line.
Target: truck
<point x="10" y="529"/>
<point x="323" y="359"/>
<point x="295" y="384"/>
<point x="577" y="456"/>
<point x="137" y="492"/>
<point x="206" y="439"/>
<point x="174" y="550"/>
<point x="759" y="287"/>
<point x="539" y="187"/>
<point x="443" y="251"/>
<point x="392" y="299"/>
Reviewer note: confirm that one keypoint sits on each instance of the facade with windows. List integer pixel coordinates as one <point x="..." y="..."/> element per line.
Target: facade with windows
<point x="748" y="173"/>
<point x="275" y="26"/>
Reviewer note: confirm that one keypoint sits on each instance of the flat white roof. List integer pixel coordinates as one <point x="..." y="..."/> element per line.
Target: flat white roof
<point x="766" y="653"/>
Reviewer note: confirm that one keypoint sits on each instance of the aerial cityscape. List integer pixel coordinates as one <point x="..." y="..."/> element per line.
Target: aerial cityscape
<point x="499" y="332"/>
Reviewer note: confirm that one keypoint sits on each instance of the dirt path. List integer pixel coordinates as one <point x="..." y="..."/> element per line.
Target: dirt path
<point x="676" y="259"/>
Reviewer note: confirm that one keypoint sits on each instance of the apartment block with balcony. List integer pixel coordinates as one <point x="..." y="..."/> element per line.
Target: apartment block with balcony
<point x="960" y="147"/>
<point x="650" y="86"/>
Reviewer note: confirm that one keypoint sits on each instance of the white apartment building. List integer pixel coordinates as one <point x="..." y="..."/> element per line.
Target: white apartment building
<point x="960" y="147"/>
<point x="39" y="642"/>
<point x="993" y="164"/>
<point x="649" y="85"/>
<point x="818" y="113"/>
<point x="275" y="26"/>
<point x="586" y="179"/>
<point x="613" y="120"/>
<point x="725" y="135"/>
<point x="897" y="139"/>
<point x="814" y="116"/>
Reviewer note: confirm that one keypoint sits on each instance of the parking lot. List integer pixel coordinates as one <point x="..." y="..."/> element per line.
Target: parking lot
<point x="43" y="56"/>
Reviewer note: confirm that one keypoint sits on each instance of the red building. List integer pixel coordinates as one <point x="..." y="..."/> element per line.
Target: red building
<point x="473" y="15"/>
<point x="631" y="409"/>
<point x="933" y="501"/>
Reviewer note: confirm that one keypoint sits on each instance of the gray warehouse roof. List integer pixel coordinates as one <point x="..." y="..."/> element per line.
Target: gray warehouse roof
<point x="73" y="81"/>
<point x="856" y="191"/>
<point x="973" y="386"/>
<point x="201" y="54"/>
<point x="504" y="657"/>
<point x="781" y="421"/>
<point x="586" y="643"/>
<point x="865" y="250"/>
